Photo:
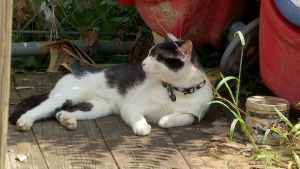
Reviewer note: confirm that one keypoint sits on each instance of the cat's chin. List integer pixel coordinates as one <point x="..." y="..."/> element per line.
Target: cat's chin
<point x="151" y="74"/>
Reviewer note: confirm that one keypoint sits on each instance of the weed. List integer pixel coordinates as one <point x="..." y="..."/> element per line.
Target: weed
<point x="236" y="111"/>
<point x="289" y="136"/>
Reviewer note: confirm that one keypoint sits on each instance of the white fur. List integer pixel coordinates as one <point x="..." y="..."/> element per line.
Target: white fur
<point x="148" y="101"/>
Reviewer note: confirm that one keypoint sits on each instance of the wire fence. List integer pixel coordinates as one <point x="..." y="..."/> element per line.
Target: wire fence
<point x="51" y="20"/>
<point x="72" y="17"/>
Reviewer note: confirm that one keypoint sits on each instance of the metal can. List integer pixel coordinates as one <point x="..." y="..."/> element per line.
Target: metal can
<point x="262" y="109"/>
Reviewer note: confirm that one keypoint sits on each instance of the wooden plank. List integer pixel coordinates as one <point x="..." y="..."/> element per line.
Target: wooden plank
<point x="22" y="143"/>
<point x="14" y="97"/>
<point x="40" y="82"/>
<point x="207" y="145"/>
<point x="81" y="148"/>
<point x="130" y="151"/>
<point x="5" y="52"/>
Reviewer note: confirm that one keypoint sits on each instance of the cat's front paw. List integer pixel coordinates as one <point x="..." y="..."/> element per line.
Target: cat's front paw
<point x="67" y="120"/>
<point x="24" y="124"/>
<point x="165" y="122"/>
<point x="141" y="128"/>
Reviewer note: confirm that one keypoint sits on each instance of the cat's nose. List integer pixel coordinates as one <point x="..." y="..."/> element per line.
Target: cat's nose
<point x="143" y="64"/>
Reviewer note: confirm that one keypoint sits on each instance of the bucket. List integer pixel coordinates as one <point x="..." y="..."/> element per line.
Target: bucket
<point x="262" y="109"/>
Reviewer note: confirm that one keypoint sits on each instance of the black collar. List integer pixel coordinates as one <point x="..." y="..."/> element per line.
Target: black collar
<point x="190" y="90"/>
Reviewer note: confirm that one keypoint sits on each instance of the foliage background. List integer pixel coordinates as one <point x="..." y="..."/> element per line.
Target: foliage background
<point x="73" y="16"/>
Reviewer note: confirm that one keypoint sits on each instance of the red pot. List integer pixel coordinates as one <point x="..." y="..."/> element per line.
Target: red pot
<point x="279" y="50"/>
<point x="202" y="21"/>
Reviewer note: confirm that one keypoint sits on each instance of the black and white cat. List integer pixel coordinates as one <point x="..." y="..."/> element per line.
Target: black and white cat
<point x="167" y="89"/>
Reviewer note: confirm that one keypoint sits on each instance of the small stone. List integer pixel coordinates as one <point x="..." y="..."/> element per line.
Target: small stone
<point x="21" y="157"/>
<point x="210" y="146"/>
<point x="140" y="145"/>
<point x="247" y="154"/>
<point x="70" y="146"/>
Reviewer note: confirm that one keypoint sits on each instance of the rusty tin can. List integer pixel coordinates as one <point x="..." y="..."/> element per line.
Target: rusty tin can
<point x="262" y="109"/>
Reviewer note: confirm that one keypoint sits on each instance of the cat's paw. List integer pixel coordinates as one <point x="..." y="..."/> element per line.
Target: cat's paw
<point x="67" y="120"/>
<point x="165" y="122"/>
<point x="24" y="124"/>
<point x="141" y="128"/>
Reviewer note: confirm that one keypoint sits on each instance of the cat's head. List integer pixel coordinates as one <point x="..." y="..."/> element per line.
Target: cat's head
<point x="169" y="60"/>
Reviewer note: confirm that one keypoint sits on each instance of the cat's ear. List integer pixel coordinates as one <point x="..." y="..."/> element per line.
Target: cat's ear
<point x="186" y="49"/>
<point x="170" y="38"/>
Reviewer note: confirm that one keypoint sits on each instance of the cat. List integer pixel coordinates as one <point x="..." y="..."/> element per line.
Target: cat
<point x="168" y="88"/>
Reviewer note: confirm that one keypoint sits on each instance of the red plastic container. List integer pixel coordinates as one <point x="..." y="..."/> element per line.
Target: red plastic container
<point x="279" y="50"/>
<point x="201" y="21"/>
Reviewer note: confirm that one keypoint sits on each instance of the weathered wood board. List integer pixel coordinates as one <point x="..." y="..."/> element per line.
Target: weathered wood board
<point x="23" y="143"/>
<point x="130" y="151"/>
<point x="109" y="143"/>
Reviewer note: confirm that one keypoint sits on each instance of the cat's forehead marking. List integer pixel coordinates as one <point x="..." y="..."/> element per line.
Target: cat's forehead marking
<point x="167" y="54"/>
<point x="150" y="51"/>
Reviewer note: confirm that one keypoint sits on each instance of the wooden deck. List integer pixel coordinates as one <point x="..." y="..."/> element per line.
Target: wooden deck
<point x="109" y="143"/>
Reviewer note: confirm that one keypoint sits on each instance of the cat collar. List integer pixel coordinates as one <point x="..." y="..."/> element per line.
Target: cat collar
<point x="190" y="90"/>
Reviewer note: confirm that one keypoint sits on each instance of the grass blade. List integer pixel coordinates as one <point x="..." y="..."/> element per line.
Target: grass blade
<point x="276" y="130"/>
<point x="266" y="135"/>
<point x="202" y="106"/>
<point x="283" y="117"/>
<point x="290" y="164"/>
<point x="295" y="135"/>
<point x="219" y="102"/>
<point x="241" y="37"/>
<point x="297" y="104"/>
<point x="297" y="159"/>
<point x="295" y="128"/>
<point x="230" y="92"/>
<point x="224" y="80"/>
<point x="232" y="127"/>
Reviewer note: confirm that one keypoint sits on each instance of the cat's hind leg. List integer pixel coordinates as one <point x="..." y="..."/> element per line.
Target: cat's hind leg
<point x="41" y="111"/>
<point x="176" y="120"/>
<point x="91" y="109"/>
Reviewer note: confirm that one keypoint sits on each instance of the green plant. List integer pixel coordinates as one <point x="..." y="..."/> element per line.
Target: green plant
<point x="289" y="136"/>
<point x="73" y="16"/>
<point x="27" y="62"/>
<point x="236" y="111"/>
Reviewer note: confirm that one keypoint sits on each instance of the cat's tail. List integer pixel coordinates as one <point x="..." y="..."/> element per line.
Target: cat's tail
<point x="25" y="105"/>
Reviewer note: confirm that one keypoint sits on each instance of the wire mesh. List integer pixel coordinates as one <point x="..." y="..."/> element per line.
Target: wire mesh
<point x="57" y="16"/>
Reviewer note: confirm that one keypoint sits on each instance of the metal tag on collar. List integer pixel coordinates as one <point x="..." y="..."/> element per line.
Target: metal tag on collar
<point x="171" y="94"/>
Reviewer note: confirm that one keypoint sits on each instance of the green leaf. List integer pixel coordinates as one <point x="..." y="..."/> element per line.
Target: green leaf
<point x="202" y="106"/>
<point x="269" y="160"/>
<point x="228" y="88"/>
<point x="257" y="157"/>
<point x="290" y="164"/>
<point x="219" y="102"/>
<point x="118" y="19"/>
<point x="241" y="37"/>
<point x="109" y="2"/>
<point x="295" y="135"/>
<point x="224" y="80"/>
<point x="283" y="117"/>
<point x="297" y="159"/>
<point x="266" y="135"/>
<point x="276" y="130"/>
<point x="232" y="127"/>
<point x="295" y="128"/>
